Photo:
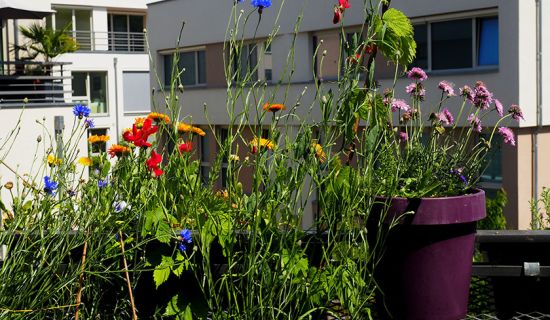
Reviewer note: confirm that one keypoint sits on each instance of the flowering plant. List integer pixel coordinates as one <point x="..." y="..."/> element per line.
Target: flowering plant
<point x="433" y="152"/>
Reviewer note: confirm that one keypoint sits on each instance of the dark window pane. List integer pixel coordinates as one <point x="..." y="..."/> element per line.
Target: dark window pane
<point x="487" y="41"/>
<point x="493" y="171"/>
<point x="98" y="92"/>
<point x="253" y="61"/>
<point x="201" y="56"/>
<point x="63" y="18"/>
<point x="136" y="23"/>
<point x="452" y="44"/>
<point x="421" y="38"/>
<point x="79" y="84"/>
<point x="168" y="69"/>
<point x="187" y="62"/>
<point x="268" y="75"/>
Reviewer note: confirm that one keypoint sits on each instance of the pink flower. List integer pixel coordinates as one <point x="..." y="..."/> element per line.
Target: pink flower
<point x="516" y="112"/>
<point x="403" y="136"/>
<point x="482" y="97"/>
<point x="416" y="90"/>
<point x="475" y="122"/>
<point x="468" y="93"/>
<point x="447" y="87"/>
<point x="446" y="117"/>
<point x="499" y="108"/>
<point x="508" y="135"/>
<point x="398" y="104"/>
<point x="417" y="74"/>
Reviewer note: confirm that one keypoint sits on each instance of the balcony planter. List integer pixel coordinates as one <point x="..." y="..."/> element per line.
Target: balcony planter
<point x="427" y="261"/>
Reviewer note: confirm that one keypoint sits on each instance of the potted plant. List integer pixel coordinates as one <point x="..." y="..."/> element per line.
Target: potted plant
<point x="429" y="164"/>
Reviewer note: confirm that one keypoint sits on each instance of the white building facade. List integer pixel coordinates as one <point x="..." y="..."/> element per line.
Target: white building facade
<point x="109" y="73"/>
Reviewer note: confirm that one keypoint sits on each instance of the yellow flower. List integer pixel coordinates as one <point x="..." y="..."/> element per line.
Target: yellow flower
<point x="319" y="153"/>
<point x="263" y="143"/>
<point x="98" y="139"/>
<point x="53" y="160"/>
<point x="159" y="117"/>
<point x="234" y="157"/>
<point x="85" y="161"/>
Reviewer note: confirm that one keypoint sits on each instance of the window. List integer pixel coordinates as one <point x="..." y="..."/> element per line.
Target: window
<point x="194" y="64"/>
<point x="78" y="23"/>
<point x="246" y="62"/>
<point x="136" y="88"/>
<point x="457" y="44"/>
<point x="126" y="32"/>
<point x="90" y="88"/>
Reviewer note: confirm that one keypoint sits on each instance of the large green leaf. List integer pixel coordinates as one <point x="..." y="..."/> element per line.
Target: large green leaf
<point x="398" y="23"/>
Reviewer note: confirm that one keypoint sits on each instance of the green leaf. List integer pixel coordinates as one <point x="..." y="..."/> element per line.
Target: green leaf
<point x="176" y="308"/>
<point x="163" y="233"/>
<point x="181" y="264"/>
<point x="398" y="23"/>
<point x="162" y="271"/>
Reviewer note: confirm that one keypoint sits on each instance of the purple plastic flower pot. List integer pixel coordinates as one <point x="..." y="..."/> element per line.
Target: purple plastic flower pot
<point x="427" y="257"/>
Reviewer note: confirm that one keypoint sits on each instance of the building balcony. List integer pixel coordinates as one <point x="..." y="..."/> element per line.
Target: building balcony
<point x="34" y="84"/>
<point x="110" y="41"/>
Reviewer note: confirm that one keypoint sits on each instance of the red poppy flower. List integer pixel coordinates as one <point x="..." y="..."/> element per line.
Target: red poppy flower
<point x="186" y="147"/>
<point x="153" y="163"/>
<point x="139" y="136"/>
<point x="337" y="16"/>
<point x="344" y="4"/>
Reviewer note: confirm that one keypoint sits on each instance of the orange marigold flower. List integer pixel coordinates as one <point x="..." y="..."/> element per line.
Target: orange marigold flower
<point x="319" y="153"/>
<point x="187" y="128"/>
<point x="184" y="127"/>
<point x="118" y="150"/>
<point x="222" y="194"/>
<point x="159" y="117"/>
<point x="198" y="131"/>
<point x="274" y="107"/>
<point x="261" y="143"/>
<point x="98" y="139"/>
<point x="139" y="122"/>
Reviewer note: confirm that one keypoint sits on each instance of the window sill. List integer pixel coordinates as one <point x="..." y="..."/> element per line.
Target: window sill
<point x="99" y="115"/>
<point x="476" y="70"/>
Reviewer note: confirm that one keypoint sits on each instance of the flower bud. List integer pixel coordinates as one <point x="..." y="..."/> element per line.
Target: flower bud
<point x="39" y="138"/>
<point x="8" y="185"/>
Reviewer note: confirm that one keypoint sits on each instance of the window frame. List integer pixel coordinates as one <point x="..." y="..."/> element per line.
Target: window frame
<point x="87" y="98"/>
<point x="474" y="17"/>
<point x="170" y="55"/>
<point x="74" y="32"/>
<point x="112" y="46"/>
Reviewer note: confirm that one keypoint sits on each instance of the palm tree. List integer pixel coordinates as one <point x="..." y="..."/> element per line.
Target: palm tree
<point x="46" y="42"/>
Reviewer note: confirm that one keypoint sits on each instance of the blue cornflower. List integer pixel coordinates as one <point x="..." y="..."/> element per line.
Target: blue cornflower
<point x="185" y="239"/>
<point x="89" y="123"/>
<point x="260" y="4"/>
<point x="102" y="183"/>
<point x="81" y="111"/>
<point x="49" y="186"/>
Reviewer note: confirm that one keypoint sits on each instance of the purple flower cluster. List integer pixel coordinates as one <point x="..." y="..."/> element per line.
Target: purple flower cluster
<point x="399" y="104"/>
<point x="458" y="173"/>
<point x="416" y="90"/>
<point x="507" y="135"/>
<point x="417" y="74"/>
<point x="499" y="108"/>
<point x="403" y="136"/>
<point x="482" y="97"/>
<point x="447" y="88"/>
<point x="445" y="116"/>
<point x="81" y="111"/>
<point x="516" y="112"/>
<point x="475" y="122"/>
<point x="467" y="93"/>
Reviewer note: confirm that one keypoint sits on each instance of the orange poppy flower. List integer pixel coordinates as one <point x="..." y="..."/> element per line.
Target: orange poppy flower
<point x="274" y="107"/>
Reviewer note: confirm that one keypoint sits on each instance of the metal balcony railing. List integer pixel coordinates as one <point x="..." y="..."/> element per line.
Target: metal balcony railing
<point x="33" y="83"/>
<point x="110" y="41"/>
